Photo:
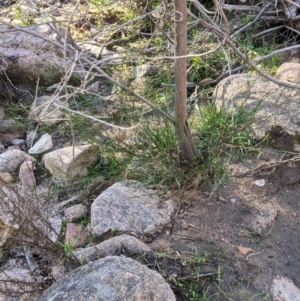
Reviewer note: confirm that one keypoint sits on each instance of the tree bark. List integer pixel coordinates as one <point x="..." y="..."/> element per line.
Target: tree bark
<point x="186" y="140"/>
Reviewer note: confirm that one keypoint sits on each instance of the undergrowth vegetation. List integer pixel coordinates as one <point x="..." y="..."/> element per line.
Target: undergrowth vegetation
<point x="148" y="150"/>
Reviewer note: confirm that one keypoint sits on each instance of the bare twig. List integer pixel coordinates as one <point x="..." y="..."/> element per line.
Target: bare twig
<point x="249" y="24"/>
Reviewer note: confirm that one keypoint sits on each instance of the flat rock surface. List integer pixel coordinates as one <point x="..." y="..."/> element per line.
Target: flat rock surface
<point x="112" y="278"/>
<point x="126" y="206"/>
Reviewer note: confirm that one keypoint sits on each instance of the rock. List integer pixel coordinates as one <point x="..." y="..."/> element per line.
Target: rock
<point x="111" y="56"/>
<point x="112" y="278"/>
<point x="75" y="236"/>
<point x="289" y="72"/>
<point x="277" y="108"/>
<point x="283" y="289"/>
<point x="18" y="142"/>
<point x="2" y="114"/>
<point x="144" y="70"/>
<point x="42" y="145"/>
<point x="18" y="201"/>
<point x="94" y="88"/>
<point x="75" y="212"/>
<point x="14" y="147"/>
<point x="43" y="110"/>
<point x="70" y="162"/>
<point x="6" y="230"/>
<point x="265" y="218"/>
<point x="30" y="137"/>
<point x="111" y="247"/>
<point x="6" y="177"/>
<point x="18" y="282"/>
<point x="92" y="49"/>
<point x="10" y="130"/>
<point x="26" y="174"/>
<point x="12" y="159"/>
<point x="126" y="206"/>
<point x="34" y="56"/>
<point x="58" y="272"/>
<point x="53" y="232"/>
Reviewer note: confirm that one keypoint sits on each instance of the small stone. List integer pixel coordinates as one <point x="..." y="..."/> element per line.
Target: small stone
<point x="260" y="182"/>
<point x="75" y="236"/>
<point x="12" y="159"/>
<point x="6" y="230"/>
<point x="70" y="162"/>
<point x="75" y="212"/>
<point x="144" y="70"/>
<point x="111" y="247"/>
<point x="232" y="200"/>
<point x="42" y="145"/>
<point x="14" y="147"/>
<point x="18" y="142"/>
<point x="6" y="177"/>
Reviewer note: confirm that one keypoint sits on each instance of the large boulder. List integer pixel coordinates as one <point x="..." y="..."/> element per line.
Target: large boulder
<point x="276" y="108"/>
<point x="127" y="206"/>
<point x="112" y="278"/>
<point x="33" y="53"/>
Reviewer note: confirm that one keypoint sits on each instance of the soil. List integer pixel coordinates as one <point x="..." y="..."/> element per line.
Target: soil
<point x="264" y="218"/>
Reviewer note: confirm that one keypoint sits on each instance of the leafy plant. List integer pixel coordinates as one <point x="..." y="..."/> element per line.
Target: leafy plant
<point x="199" y="258"/>
<point x="68" y="248"/>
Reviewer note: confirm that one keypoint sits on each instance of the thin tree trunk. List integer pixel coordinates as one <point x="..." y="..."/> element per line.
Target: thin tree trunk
<point x="186" y="140"/>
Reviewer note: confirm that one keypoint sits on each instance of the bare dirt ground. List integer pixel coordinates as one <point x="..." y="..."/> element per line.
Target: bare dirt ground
<point x="264" y="219"/>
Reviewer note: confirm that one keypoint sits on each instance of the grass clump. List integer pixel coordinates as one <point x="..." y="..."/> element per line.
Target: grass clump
<point x="222" y="136"/>
<point x="152" y="153"/>
<point x="259" y="237"/>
